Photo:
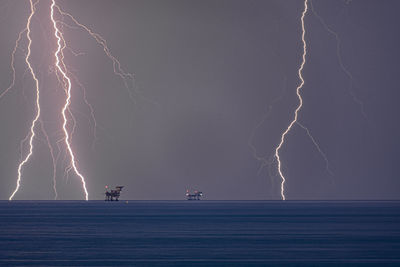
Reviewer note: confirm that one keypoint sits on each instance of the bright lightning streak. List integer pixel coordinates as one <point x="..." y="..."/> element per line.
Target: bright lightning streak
<point x="300" y="71"/>
<point x="32" y="134"/>
<point x="58" y="35"/>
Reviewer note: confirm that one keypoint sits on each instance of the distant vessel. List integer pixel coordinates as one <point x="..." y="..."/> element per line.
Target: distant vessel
<point x="113" y="195"/>
<point x="195" y="196"/>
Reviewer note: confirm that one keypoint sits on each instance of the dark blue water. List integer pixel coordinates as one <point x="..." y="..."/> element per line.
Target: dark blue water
<point x="203" y="233"/>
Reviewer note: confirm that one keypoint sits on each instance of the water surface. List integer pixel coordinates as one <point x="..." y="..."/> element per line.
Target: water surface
<point x="200" y="233"/>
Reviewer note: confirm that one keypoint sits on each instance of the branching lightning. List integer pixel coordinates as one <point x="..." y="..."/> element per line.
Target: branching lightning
<point x="127" y="78"/>
<point x="66" y="80"/>
<point x="298" y="90"/>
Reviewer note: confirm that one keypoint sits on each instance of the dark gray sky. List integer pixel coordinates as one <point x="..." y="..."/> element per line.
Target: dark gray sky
<point x="207" y="72"/>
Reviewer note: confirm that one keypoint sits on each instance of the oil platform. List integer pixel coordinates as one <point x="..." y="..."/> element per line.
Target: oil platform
<point x="113" y="195"/>
<point x="195" y="196"/>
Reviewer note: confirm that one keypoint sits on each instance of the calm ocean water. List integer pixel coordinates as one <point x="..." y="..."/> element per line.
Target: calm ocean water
<point x="199" y="233"/>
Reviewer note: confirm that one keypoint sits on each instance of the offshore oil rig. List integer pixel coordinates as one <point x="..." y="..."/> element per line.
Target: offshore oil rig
<point x="195" y="196"/>
<point x="113" y="195"/>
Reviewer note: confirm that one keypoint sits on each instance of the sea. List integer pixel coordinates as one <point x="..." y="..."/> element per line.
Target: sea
<point x="200" y="233"/>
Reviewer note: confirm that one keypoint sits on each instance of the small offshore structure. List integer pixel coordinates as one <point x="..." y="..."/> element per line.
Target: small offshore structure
<point x="195" y="196"/>
<point x="113" y="195"/>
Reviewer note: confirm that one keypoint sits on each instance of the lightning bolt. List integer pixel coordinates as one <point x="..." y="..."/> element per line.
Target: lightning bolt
<point x="296" y="112"/>
<point x="64" y="78"/>
<point x="67" y="80"/>
<point x="36" y="118"/>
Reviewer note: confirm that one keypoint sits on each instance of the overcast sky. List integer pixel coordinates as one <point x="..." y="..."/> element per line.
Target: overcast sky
<point x="206" y="74"/>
